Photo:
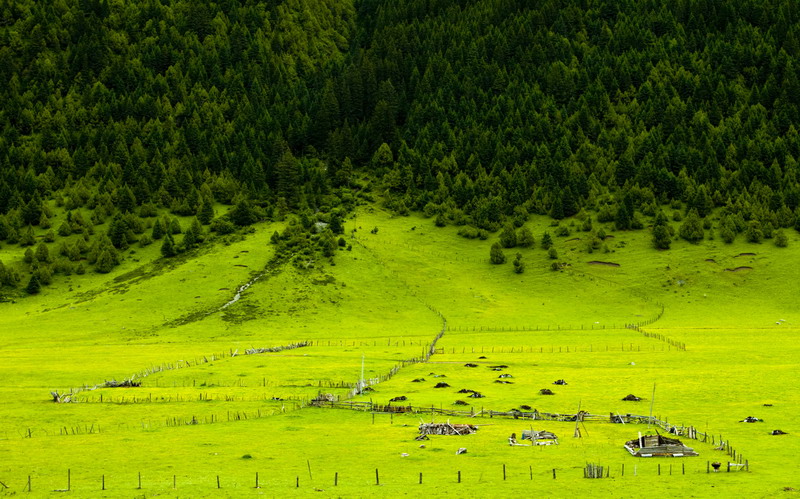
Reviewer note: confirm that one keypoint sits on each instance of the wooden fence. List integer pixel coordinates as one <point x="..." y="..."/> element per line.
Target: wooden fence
<point x="516" y="472"/>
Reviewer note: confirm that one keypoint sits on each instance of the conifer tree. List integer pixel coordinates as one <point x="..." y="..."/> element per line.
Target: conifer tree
<point x="496" y="254"/>
<point x="34" y="286"/>
<point x="158" y="230"/>
<point x="519" y="265"/>
<point x="105" y="262"/>
<point x="168" y="247"/>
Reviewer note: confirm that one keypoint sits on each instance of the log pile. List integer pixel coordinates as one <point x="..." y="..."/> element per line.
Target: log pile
<point x="125" y="383"/>
<point x="447" y="429"/>
<point x="323" y="398"/>
<point x="540" y="437"/>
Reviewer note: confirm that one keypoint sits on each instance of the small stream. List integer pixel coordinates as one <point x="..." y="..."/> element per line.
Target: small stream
<point x="241" y="290"/>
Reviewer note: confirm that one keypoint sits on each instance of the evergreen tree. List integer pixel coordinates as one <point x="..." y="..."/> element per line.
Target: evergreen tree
<point x="168" y="246"/>
<point x="328" y="243"/>
<point x="243" y="214"/>
<point x="26" y="237"/>
<point x="175" y="226"/>
<point x="34" y="286"/>
<point x="519" y="265"/>
<point x="754" y="234"/>
<point x="508" y="238"/>
<point x="206" y="214"/>
<point x="692" y="228"/>
<point x="661" y="237"/>
<point x="547" y="241"/>
<point x="525" y="238"/>
<point x="197" y="230"/>
<point x="158" y="229"/>
<point x="105" y="262"/>
<point x="42" y="253"/>
<point x="496" y="254"/>
<point x="781" y="240"/>
<point x="118" y="232"/>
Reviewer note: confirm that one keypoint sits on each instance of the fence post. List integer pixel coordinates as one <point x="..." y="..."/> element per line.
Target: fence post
<point x="377" y="477"/>
<point x="459" y="476"/>
<point x="504" y="471"/>
<point x="29" y="483"/>
<point x="257" y="480"/>
<point x="554" y="473"/>
<point x="336" y="479"/>
<point x="218" y="481"/>
<point x="102" y="482"/>
<point x="140" y="481"/>
<point x="420" y="478"/>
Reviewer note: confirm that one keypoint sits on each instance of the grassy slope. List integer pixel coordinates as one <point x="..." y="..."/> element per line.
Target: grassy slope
<point x="377" y="301"/>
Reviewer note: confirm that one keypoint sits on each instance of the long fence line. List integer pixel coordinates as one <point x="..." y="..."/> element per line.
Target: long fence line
<point x="169" y="366"/>
<point x="516" y="472"/>
<point x="623" y="347"/>
<point x="558" y="327"/>
<point x="669" y="341"/>
<point x="149" y="398"/>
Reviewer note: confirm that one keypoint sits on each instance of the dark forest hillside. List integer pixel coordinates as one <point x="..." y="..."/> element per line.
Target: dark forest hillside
<point x="474" y="112"/>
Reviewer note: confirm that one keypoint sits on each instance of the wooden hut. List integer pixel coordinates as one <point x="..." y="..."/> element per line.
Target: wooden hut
<point x="658" y="446"/>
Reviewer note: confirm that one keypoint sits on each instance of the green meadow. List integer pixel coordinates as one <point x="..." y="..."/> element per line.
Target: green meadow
<point x="208" y="418"/>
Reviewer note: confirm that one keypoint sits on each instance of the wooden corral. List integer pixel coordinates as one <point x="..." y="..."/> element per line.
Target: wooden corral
<point x="658" y="446"/>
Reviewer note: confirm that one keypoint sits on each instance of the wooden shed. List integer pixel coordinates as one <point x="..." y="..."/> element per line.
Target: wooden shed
<point x="658" y="446"/>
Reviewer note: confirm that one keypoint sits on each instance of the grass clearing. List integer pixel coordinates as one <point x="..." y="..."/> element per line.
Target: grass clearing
<point x="381" y="302"/>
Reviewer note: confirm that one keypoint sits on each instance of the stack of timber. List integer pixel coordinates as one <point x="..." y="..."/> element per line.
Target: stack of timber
<point x="126" y="383"/>
<point x="540" y="437"/>
<point x="447" y="429"/>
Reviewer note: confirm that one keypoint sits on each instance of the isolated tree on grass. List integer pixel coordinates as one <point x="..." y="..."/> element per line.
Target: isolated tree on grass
<point x="661" y="239"/>
<point x="496" y="254"/>
<point x="519" y="265"/>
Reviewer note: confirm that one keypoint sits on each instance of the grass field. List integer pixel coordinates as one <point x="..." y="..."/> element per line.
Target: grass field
<point x="202" y="413"/>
